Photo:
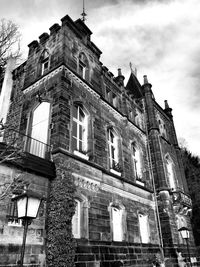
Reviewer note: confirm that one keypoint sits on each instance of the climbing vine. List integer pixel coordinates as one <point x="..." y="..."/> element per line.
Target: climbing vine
<point x="60" y="210"/>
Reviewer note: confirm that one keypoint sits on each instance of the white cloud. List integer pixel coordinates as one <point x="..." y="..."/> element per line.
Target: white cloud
<point x="162" y="38"/>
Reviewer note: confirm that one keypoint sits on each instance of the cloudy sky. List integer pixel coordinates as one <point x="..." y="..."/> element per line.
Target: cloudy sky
<point x="160" y="38"/>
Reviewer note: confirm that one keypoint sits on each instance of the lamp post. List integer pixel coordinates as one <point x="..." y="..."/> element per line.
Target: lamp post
<point x="27" y="204"/>
<point x="185" y="235"/>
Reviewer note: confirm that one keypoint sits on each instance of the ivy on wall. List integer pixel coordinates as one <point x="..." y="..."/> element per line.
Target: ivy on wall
<point x="60" y="244"/>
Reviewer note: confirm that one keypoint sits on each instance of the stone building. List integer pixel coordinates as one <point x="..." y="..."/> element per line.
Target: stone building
<point x="104" y="154"/>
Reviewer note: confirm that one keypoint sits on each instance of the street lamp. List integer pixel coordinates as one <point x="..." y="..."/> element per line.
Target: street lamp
<point x="185" y="235"/>
<point x="27" y="204"/>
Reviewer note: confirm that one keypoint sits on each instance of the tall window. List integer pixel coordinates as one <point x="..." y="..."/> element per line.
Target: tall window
<point x="162" y="128"/>
<point x="117" y="224"/>
<point x="83" y="66"/>
<point x="45" y="62"/>
<point x="76" y="220"/>
<point x="39" y="130"/>
<point x="136" y="157"/>
<point x="113" y="148"/>
<point x="144" y="228"/>
<point x="79" y="129"/>
<point x="170" y="172"/>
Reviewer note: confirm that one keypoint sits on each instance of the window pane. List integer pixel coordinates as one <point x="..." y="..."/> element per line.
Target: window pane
<point x="80" y="132"/>
<point x="144" y="231"/>
<point x="117" y="224"/>
<point x="74" y="143"/>
<point x="74" y="129"/>
<point x="81" y="115"/>
<point x="39" y="131"/>
<point x="76" y="221"/>
<point x="81" y="147"/>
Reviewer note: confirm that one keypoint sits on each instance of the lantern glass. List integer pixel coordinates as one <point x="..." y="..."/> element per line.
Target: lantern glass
<point x="21" y="207"/>
<point x="185" y="234"/>
<point x="33" y="207"/>
<point x="28" y="207"/>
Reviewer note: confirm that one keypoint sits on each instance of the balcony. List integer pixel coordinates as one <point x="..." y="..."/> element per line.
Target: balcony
<point x="26" y="152"/>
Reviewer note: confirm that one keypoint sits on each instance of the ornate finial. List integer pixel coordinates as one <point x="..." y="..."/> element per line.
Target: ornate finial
<point x="134" y="71"/>
<point x="83" y="14"/>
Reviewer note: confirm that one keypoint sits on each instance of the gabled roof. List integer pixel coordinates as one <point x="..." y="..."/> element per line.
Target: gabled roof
<point x="134" y="87"/>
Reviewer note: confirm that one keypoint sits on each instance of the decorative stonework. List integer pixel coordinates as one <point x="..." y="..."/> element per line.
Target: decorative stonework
<point x="44" y="79"/>
<point x="86" y="183"/>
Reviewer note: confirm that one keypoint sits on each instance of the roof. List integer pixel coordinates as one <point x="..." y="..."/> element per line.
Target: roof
<point x="134" y="87"/>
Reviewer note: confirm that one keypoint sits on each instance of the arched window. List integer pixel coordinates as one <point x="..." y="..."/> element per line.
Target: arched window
<point x="162" y="128"/>
<point x="113" y="148"/>
<point x="39" y="130"/>
<point x="76" y="220"/>
<point x="45" y="62"/>
<point x="79" y="129"/>
<point x="83" y="66"/>
<point x="80" y="217"/>
<point x="144" y="227"/>
<point x="170" y="172"/>
<point x="136" y="158"/>
<point x="117" y="221"/>
<point x="117" y="224"/>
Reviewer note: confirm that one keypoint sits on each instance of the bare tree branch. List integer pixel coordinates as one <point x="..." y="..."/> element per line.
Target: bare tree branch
<point x="9" y="41"/>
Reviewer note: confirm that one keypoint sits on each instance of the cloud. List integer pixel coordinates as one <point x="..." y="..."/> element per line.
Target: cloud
<point x="160" y="38"/>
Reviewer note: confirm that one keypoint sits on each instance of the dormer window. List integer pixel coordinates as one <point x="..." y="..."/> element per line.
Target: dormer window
<point x="115" y="100"/>
<point x="82" y="68"/>
<point x="108" y="94"/>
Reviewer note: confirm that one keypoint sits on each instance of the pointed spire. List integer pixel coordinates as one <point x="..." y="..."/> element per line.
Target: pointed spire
<point x="134" y="71"/>
<point x="83" y="14"/>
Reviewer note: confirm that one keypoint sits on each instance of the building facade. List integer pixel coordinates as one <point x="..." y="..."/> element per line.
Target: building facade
<point x="104" y="155"/>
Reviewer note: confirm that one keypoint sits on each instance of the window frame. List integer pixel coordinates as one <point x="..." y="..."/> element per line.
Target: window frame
<point x="78" y="215"/>
<point x="137" y="160"/>
<point x="170" y="173"/>
<point x="144" y="239"/>
<point x="83" y="231"/>
<point x="83" y="66"/>
<point x="77" y="124"/>
<point x="113" y="149"/>
<point x="123" y="222"/>
<point x="29" y="132"/>
<point x="44" y="59"/>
